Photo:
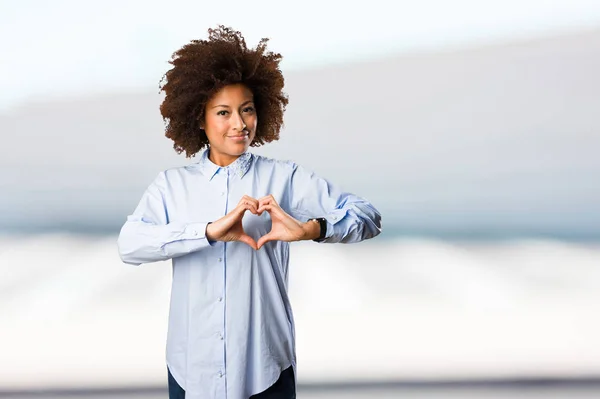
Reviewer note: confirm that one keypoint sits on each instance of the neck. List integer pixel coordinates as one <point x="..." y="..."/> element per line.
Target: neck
<point x="221" y="159"/>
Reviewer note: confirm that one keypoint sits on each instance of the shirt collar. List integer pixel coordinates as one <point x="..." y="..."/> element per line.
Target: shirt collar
<point x="238" y="167"/>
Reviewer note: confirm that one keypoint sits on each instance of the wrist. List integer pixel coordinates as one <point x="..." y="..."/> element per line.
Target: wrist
<point x="312" y="229"/>
<point x="208" y="232"/>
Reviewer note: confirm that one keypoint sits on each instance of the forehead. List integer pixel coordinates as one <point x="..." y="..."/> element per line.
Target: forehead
<point x="234" y="93"/>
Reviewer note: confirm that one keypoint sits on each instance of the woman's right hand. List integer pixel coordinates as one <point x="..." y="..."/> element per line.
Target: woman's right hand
<point x="229" y="227"/>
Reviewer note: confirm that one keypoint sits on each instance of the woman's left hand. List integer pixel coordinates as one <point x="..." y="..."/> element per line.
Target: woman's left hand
<point x="283" y="226"/>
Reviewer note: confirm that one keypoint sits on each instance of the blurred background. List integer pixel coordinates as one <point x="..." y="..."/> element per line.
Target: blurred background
<point x="473" y="126"/>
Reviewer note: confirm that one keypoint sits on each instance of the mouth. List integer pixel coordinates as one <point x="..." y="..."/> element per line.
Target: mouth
<point x="240" y="137"/>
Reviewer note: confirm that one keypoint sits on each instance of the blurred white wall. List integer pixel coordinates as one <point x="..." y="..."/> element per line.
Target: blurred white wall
<point x="66" y="47"/>
<point x="500" y="138"/>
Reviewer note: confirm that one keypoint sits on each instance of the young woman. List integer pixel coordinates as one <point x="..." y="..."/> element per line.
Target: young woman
<point x="226" y="222"/>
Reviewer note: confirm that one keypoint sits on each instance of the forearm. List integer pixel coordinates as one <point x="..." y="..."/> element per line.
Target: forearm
<point x="349" y="217"/>
<point x="141" y="242"/>
<point x="359" y="221"/>
<point x="312" y="230"/>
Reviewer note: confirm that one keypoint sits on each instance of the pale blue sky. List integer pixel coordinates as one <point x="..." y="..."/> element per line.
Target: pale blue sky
<point x="68" y="47"/>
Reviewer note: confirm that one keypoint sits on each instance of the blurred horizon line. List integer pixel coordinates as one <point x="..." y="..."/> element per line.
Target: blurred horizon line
<point x="529" y="382"/>
<point x="389" y="232"/>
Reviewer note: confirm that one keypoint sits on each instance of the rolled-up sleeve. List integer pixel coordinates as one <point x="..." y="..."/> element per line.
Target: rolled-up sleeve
<point x="350" y="218"/>
<point x="148" y="235"/>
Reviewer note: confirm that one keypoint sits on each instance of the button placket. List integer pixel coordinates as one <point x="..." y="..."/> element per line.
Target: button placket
<point x="221" y="262"/>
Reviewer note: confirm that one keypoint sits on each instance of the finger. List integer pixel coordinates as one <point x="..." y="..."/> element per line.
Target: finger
<point x="265" y="239"/>
<point x="248" y="206"/>
<point x="269" y="199"/>
<point x="252" y="207"/>
<point x="262" y="208"/>
<point x="250" y="199"/>
<point x="271" y="208"/>
<point x="252" y="202"/>
<point x="246" y="239"/>
<point x="255" y="205"/>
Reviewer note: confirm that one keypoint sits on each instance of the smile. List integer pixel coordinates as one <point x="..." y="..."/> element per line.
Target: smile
<point x="240" y="137"/>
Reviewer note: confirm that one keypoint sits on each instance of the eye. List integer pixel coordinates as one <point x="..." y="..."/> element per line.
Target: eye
<point x="248" y="109"/>
<point x="222" y="112"/>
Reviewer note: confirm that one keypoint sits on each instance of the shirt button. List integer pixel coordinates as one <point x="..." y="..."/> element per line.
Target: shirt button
<point x="220" y="374"/>
<point x="220" y="336"/>
<point x="220" y="259"/>
<point x="194" y="232"/>
<point x="334" y="218"/>
<point x="222" y="193"/>
<point x="220" y="299"/>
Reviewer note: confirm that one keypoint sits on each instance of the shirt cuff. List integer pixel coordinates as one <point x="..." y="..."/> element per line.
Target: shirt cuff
<point x="191" y="239"/>
<point x="195" y="231"/>
<point x="332" y="219"/>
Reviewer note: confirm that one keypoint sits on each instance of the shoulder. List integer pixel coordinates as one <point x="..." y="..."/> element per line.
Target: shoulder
<point x="165" y="174"/>
<point x="291" y="169"/>
<point x="174" y="175"/>
<point x="262" y="161"/>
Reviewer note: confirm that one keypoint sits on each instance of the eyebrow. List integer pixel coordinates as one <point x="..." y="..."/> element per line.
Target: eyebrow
<point x="227" y="106"/>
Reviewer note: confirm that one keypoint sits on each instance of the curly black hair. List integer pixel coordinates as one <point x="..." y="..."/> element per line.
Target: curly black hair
<point x="203" y="67"/>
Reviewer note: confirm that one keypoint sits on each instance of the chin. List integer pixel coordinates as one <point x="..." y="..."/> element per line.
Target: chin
<point x="238" y="150"/>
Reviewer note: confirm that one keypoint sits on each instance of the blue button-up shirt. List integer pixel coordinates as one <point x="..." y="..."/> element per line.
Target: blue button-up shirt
<point x="231" y="329"/>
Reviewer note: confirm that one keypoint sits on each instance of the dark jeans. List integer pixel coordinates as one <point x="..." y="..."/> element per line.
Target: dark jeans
<point x="284" y="387"/>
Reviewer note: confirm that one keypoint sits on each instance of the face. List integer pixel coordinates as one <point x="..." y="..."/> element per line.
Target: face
<point x="230" y="123"/>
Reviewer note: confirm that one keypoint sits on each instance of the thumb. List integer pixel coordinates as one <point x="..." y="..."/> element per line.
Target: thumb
<point x="246" y="239"/>
<point x="265" y="239"/>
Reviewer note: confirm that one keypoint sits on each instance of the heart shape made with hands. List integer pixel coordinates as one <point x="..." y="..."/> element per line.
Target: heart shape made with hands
<point x="283" y="226"/>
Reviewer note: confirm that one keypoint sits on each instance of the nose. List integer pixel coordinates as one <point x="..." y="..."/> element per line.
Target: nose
<point x="238" y="122"/>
